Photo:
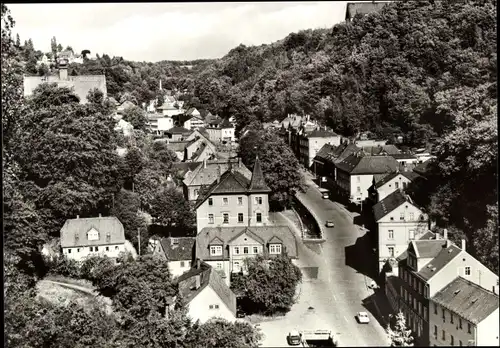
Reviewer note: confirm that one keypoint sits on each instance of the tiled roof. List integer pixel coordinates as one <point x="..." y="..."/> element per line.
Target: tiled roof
<point x="208" y="277"/>
<point x="377" y="150"/>
<point x="388" y="204"/>
<point x="427" y="236"/>
<point x="325" y="151"/>
<point x="225" y="234"/>
<point x="439" y="262"/>
<point x="230" y="181"/>
<point x="199" y="150"/>
<point x="74" y="231"/>
<point x="344" y="151"/>
<point x="178" y="249"/>
<point x="468" y="300"/>
<point x="183" y="167"/>
<point x="321" y="133"/>
<point x="207" y="175"/>
<point x="179" y="130"/>
<point x="427" y="248"/>
<point x="258" y="183"/>
<point x="409" y="175"/>
<point x="177" y="146"/>
<point x="368" y="164"/>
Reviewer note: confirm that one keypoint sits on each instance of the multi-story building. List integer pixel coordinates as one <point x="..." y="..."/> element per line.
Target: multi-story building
<point x="222" y="131"/>
<point x="207" y="172"/>
<point x="356" y="174"/>
<point x="99" y="236"/>
<point x="310" y="142"/>
<point x="464" y="314"/>
<point x="158" y="123"/>
<point x="399" y="221"/>
<point x="82" y="84"/>
<point x="393" y="182"/>
<point x="233" y="200"/>
<point x="178" y="133"/>
<point x="426" y="268"/>
<point x="407" y="161"/>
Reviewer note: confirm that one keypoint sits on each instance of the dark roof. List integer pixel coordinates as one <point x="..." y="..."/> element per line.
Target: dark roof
<point x="230" y="181"/>
<point x="178" y="249"/>
<point x="258" y="183"/>
<point x="362" y="8"/>
<point x="183" y="167"/>
<point x="357" y="164"/>
<point x="344" y="151"/>
<point x="179" y="130"/>
<point x="426" y="236"/>
<point x="427" y="248"/>
<point x="403" y="156"/>
<point x="388" y="204"/>
<point x="440" y="261"/>
<point x="207" y="175"/>
<point x="208" y="277"/>
<point x="391" y="150"/>
<point x="321" y="133"/>
<point x="468" y="300"/>
<point x="325" y="151"/>
<point x="74" y="231"/>
<point x="177" y="146"/>
<point x="422" y="168"/>
<point x="226" y="234"/>
<point x="409" y="175"/>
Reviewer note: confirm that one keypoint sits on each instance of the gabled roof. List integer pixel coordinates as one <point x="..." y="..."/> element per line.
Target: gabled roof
<point x="230" y="181"/>
<point x="344" y="151"/>
<point x="325" y="151"/>
<point x="179" y="130"/>
<point x="182" y="167"/>
<point x="357" y="164"/>
<point x="468" y="300"/>
<point x="409" y="175"/>
<point x="178" y="249"/>
<point x="74" y="231"/>
<point x="389" y="203"/>
<point x="275" y="240"/>
<point x="208" y="278"/>
<point x="440" y="261"/>
<point x="266" y="233"/>
<point x="216" y="241"/>
<point x="258" y="183"/>
<point x="426" y="236"/>
<point x="249" y="233"/>
<point x="206" y="175"/>
<point x="321" y="133"/>
<point x="427" y="248"/>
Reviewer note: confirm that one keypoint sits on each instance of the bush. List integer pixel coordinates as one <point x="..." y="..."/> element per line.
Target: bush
<point x="60" y="265"/>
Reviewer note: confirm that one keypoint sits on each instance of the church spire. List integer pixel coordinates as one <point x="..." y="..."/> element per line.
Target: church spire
<point x="258" y="183"/>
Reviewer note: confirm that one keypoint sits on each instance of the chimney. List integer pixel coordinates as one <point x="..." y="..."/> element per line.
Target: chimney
<point x="198" y="281"/>
<point x="463" y="244"/>
<point x="445" y="233"/>
<point x="438" y="236"/>
<point x="78" y="216"/>
<point x="198" y="263"/>
<point x="239" y="162"/>
<point x="100" y="215"/>
<point x="63" y="72"/>
<point x="204" y="163"/>
<point x="108" y="237"/>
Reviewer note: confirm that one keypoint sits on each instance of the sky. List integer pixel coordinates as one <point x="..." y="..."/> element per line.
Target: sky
<point x="169" y="31"/>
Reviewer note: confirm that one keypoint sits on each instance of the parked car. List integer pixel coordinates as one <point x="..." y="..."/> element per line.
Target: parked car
<point x="329" y="223"/>
<point x="363" y="318"/>
<point x="294" y="338"/>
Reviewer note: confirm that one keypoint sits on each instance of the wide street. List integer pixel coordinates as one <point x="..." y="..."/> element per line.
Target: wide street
<point x="332" y="292"/>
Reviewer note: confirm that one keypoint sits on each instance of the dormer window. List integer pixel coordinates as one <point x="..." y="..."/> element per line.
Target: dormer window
<point x="215" y="250"/>
<point x="92" y="234"/>
<point x="275" y="249"/>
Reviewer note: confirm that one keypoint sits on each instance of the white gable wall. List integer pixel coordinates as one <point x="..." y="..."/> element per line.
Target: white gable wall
<point x="392" y="185"/>
<point x="359" y="186"/>
<point x="199" y="307"/>
<point x="488" y="332"/>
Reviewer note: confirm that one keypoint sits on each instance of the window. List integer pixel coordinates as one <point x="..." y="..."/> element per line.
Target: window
<point x="391" y="251"/>
<point x="240" y="200"/>
<point x="420" y="286"/>
<point x="107" y="248"/>
<point x="396" y="185"/>
<point x="435" y="331"/>
<point x="444" y="316"/>
<point x="215" y="250"/>
<point x="420" y="308"/>
<point x="401" y="290"/>
<point x="116" y="247"/>
<point x="404" y="185"/>
<point x="216" y="306"/>
<point x="210" y="201"/>
<point x="69" y="251"/>
<point x="240" y="217"/>
<point x="459" y="323"/>
<point x="236" y="266"/>
<point x="452" y="341"/>
<point x="460" y="343"/>
<point x="258" y="200"/>
<point x="196" y="193"/>
<point x="259" y="217"/>
<point x="412" y="216"/>
<point x="467" y="271"/>
<point x="245" y="250"/>
<point x="236" y="250"/>
<point x="391" y="234"/>
<point x="425" y="313"/>
<point x="275" y="249"/>
<point x="210" y="218"/>
<point x="218" y="265"/>
<point x="96" y="248"/>
<point x="435" y="309"/>
<point x="402" y="216"/>
<point x="359" y="189"/>
<point x="425" y="292"/>
<point x="358" y="178"/>
<point x="444" y="335"/>
<point x="412" y="234"/>
<point x="226" y="218"/>
<point x="211" y="307"/>
<point x="77" y="250"/>
<point x="451" y="317"/>
<point x="415" y="304"/>
<point x="182" y="264"/>
<point x="469" y="329"/>
<point x="392" y="218"/>
<point x="255" y="250"/>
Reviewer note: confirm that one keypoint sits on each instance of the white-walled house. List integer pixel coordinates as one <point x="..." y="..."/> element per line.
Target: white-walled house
<point x="178" y="252"/>
<point x="207" y="296"/>
<point x="356" y="174"/>
<point x="393" y="182"/>
<point x="464" y="314"/>
<point x="82" y="237"/>
<point x="399" y="221"/>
